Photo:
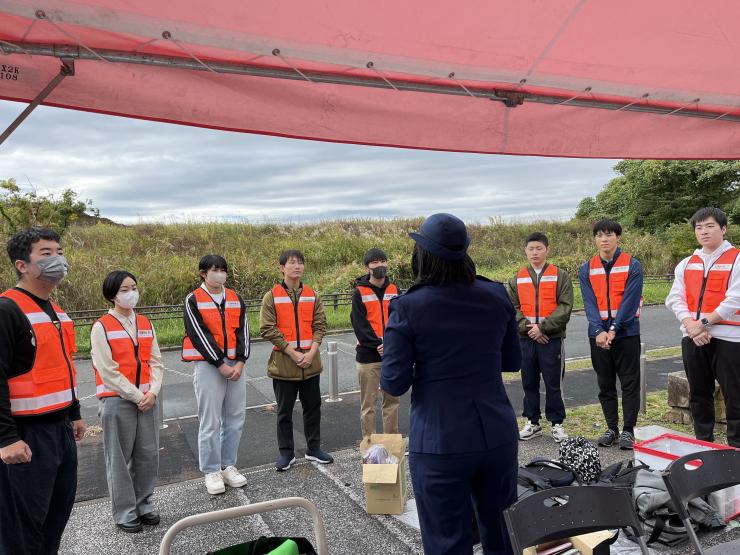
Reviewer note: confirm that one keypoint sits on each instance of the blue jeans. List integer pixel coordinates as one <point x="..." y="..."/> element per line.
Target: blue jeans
<point x="221" y="407"/>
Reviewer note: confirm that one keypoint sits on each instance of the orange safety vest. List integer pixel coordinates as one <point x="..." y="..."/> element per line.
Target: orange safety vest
<point x="705" y="293"/>
<point x="295" y="320"/>
<point x="132" y="357"/>
<point x="536" y="304"/>
<point x="220" y="325"/>
<point x="609" y="292"/>
<point x="51" y="384"/>
<point x="377" y="310"/>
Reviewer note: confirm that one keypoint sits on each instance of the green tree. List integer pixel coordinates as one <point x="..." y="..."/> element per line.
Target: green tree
<point x="652" y="194"/>
<point x="19" y="209"/>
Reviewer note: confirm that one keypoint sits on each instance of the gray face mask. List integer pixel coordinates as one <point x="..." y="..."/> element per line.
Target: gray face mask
<point x="53" y="268"/>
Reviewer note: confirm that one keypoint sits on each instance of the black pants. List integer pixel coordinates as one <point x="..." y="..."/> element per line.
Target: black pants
<point x="719" y="360"/>
<point x="544" y="360"/>
<point x="36" y="498"/>
<point x="621" y="360"/>
<point x="309" y="393"/>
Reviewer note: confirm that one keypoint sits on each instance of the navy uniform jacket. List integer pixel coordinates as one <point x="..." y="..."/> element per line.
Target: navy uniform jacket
<point x="451" y="343"/>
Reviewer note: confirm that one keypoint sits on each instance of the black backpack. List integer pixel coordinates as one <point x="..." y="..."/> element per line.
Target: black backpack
<point x="621" y="474"/>
<point x="541" y="474"/>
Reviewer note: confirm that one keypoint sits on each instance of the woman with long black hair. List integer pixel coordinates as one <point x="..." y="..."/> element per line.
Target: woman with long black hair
<point x="448" y="338"/>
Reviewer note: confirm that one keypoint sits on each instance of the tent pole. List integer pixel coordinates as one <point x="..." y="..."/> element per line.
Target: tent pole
<point x="68" y="68"/>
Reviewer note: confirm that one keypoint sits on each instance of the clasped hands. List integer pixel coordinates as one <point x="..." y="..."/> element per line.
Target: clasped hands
<point x="697" y="332"/>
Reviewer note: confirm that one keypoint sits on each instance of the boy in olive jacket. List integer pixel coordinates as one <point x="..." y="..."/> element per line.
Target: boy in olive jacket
<point x="543" y="297"/>
<point x="292" y="318"/>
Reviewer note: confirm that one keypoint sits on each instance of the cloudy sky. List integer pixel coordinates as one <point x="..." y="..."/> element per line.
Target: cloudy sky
<point x="143" y="171"/>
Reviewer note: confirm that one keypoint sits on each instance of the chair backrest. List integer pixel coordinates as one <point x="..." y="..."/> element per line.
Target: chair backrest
<point x="534" y="519"/>
<point x="719" y="469"/>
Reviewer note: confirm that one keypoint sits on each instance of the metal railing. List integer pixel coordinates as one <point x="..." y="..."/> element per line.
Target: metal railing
<point x="330" y="300"/>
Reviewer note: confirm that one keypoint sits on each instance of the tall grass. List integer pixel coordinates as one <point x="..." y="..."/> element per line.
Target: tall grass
<point x="164" y="257"/>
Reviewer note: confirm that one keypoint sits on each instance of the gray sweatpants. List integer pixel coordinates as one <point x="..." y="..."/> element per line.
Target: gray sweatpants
<point x="131" y="446"/>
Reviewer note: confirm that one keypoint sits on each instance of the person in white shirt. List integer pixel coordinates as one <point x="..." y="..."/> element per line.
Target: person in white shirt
<point x="128" y="376"/>
<point x="705" y="298"/>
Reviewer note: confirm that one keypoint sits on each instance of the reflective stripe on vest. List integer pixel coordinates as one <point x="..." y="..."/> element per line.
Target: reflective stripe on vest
<point x="215" y="323"/>
<point x="51" y="384"/>
<point x="132" y="359"/>
<point x="536" y="304"/>
<point x="704" y="293"/>
<point x="295" y="322"/>
<point x="377" y="310"/>
<point x="609" y="295"/>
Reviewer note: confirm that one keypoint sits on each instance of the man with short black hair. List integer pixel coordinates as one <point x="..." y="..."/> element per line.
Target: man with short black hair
<point x="705" y="297"/>
<point x="372" y="295"/>
<point x="292" y="318"/>
<point x="542" y="295"/>
<point x="39" y="410"/>
<point x="611" y="286"/>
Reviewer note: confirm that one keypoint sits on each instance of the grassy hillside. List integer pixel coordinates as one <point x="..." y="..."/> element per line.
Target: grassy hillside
<point x="165" y="257"/>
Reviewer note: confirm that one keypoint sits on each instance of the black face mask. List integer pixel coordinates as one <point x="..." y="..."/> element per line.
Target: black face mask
<point x="379" y="272"/>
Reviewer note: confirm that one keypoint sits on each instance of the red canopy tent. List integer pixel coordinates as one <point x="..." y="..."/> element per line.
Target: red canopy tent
<point x="539" y="77"/>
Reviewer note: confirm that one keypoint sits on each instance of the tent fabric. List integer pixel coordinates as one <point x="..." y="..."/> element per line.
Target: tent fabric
<point x="675" y="51"/>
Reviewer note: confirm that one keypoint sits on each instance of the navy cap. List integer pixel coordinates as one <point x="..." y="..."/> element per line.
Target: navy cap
<point x="443" y="235"/>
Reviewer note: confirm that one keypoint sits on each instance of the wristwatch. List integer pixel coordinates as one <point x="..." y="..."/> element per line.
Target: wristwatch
<point x="705" y="322"/>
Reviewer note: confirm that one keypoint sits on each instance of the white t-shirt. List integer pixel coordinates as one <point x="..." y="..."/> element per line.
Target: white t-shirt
<point x="216" y="298"/>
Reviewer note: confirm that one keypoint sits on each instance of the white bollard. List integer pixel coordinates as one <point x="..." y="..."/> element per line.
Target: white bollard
<point x="643" y="380"/>
<point x="333" y="372"/>
<point x="160" y="408"/>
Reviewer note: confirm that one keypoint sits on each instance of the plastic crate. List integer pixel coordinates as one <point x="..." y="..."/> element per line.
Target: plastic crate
<point x="662" y="450"/>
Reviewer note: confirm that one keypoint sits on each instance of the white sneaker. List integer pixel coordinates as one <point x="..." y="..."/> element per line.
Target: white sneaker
<point x="232" y="477"/>
<point x="558" y="433"/>
<point x="530" y="430"/>
<point x="214" y="483"/>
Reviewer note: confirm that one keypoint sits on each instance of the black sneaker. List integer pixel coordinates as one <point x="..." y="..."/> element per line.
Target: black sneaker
<point x="626" y="441"/>
<point x="284" y="462"/>
<point x="608" y="438"/>
<point x="319" y="456"/>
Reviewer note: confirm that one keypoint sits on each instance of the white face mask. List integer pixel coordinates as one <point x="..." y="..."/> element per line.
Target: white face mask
<point x="216" y="278"/>
<point x="128" y="300"/>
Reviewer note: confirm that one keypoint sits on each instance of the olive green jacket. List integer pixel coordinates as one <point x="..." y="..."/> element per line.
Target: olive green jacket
<point x="280" y="365"/>
<point x="554" y="325"/>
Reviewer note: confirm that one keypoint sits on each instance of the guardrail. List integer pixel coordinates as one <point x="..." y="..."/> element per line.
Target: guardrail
<point x="330" y="300"/>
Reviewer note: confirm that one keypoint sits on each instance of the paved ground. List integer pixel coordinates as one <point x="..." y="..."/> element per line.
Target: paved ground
<point x="335" y="489"/>
<point x="340" y="429"/>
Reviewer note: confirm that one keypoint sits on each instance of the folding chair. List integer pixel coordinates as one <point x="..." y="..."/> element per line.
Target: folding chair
<point x="247" y="510"/>
<point x="537" y="519"/>
<point x="719" y="469"/>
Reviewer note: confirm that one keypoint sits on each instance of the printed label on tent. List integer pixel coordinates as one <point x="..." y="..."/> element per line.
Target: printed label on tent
<point x="9" y="73"/>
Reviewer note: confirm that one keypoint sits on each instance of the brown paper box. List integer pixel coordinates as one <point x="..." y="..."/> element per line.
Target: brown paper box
<point x="385" y="484"/>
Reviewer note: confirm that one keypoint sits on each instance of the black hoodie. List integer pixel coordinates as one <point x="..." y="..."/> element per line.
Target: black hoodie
<point x="367" y="350"/>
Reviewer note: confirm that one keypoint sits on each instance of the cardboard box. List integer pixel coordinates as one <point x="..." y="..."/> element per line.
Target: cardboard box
<point x="587" y="544"/>
<point x="385" y="484"/>
<point x="593" y="543"/>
